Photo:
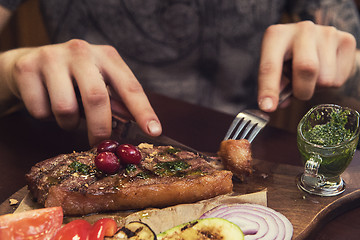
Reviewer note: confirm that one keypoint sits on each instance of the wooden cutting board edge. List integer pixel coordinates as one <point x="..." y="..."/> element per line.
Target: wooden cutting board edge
<point x="336" y="208"/>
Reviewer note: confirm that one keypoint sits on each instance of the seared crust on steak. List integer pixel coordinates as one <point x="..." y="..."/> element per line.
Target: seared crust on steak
<point x="166" y="176"/>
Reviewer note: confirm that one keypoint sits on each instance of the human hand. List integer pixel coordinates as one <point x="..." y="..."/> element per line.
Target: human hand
<point x="321" y="56"/>
<point x="46" y="78"/>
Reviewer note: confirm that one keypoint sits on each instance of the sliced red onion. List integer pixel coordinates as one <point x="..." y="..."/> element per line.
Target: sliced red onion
<point x="246" y="223"/>
<point x="248" y="226"/>
<point x="237" y="215"/>
<point x="285" y="226"/>
<point x="256" y="221"/>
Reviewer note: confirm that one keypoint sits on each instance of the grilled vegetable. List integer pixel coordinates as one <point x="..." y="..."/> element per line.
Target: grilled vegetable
<point x="135" y="231"/>
<point x="208" y="228"/>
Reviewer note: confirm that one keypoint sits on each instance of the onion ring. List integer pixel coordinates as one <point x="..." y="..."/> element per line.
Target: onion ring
<point x="256" y="221"/>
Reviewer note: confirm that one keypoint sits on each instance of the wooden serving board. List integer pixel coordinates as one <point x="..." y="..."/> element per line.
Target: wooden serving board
<point x="307" y="213"/>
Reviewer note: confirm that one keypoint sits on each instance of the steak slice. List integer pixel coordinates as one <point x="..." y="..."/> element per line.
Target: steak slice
<point x="166" y="176"/>
<point x="236" y="156"/>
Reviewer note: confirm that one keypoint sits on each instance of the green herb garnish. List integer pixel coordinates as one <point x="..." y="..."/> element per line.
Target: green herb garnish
<point x="142" y="175"/>
<point x="172" y="150"/>
<point x="170" y="168"/>
<point x="130" y="168"/>
<point x="169" y="150"/>
<point x="79" y="167"/>
<point x="332" y="132"/>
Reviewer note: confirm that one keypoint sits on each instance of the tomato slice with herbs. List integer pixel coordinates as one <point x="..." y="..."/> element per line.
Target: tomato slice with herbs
<point x="35" y="224"/>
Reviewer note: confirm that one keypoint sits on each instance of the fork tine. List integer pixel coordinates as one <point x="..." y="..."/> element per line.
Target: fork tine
<point x="253" y="120"/>
<point x="254" y="133"/>
<point x="231" y="128"/>
<point x="247" y="123"/>
<point x="240" y="128"/>
<point x="234" y="125"/>
<point x="247" y="130"/>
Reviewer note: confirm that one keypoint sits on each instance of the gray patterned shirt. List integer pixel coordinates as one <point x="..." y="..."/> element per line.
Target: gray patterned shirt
<point x="202" y="51"/>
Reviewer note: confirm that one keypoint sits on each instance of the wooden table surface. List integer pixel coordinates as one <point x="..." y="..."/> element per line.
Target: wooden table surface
<point x="25" y="141"/>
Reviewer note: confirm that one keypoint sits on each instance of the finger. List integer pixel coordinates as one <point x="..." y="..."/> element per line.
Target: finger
<point x="305" y="61"/>
<point x="327" y="53"/>
<point x="60" y="88"/>
<point x="30" y="86"/>
<point x="94" y="95"/>
<point x="129" y="90"/>
<point x="118" y="107"/>
<point x="275" y="46"/>
<point x="346" y="57"/>
<point x="95" y="101"/>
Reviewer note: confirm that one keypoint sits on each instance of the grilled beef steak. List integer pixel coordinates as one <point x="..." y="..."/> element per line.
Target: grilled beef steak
<point x="166" y="176"/>
<point x="236" y="156"/>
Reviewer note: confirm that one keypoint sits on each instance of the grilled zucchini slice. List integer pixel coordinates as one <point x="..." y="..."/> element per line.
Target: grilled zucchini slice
<point x="207" y="228"/>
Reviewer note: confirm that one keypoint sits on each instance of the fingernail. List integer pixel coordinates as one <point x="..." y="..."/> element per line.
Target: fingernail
<point x="266" y="104"/>
<point x="154" y="127"/>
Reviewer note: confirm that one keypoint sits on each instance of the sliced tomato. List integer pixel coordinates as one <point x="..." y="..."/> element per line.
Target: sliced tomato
<point x="77" y="229"/>
<point x="82" y="230"/>
<point x="35" y="224"/>
<point x="101" y="228"/>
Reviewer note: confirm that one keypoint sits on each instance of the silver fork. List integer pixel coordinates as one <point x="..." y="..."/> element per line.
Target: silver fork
<point x="250" y="122"/>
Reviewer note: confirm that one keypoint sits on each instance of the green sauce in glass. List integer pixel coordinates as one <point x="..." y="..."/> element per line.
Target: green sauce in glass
<point x="329" y="131"/>
<point x="332" y="132"/>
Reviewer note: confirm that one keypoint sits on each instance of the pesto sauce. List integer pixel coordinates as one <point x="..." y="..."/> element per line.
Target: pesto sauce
<point x="332" y="132"/>
<point x="171" y="168"/>
<point x="79" y="167"/>
<point x="170" y="150"/>
<point x="130" y="168"/>
<point x="143" y="175"/>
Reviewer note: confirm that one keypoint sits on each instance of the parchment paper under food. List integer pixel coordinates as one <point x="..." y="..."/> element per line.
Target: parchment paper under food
<point x="162" y="219"/>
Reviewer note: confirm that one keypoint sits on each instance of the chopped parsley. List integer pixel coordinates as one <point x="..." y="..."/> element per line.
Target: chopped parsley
<point x="130" y="168"/>
<point x="332" y="132"/>
<point x="142" y="175"/>
<point x="170" y="168"/>
<point x="172" y="150"/>
<point x="79" y="167"/>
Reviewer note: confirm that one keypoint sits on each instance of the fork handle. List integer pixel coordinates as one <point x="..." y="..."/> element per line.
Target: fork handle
<point x="285" y="93"/>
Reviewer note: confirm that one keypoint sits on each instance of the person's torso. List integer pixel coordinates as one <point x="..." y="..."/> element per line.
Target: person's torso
<point x="202" y="51"/>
